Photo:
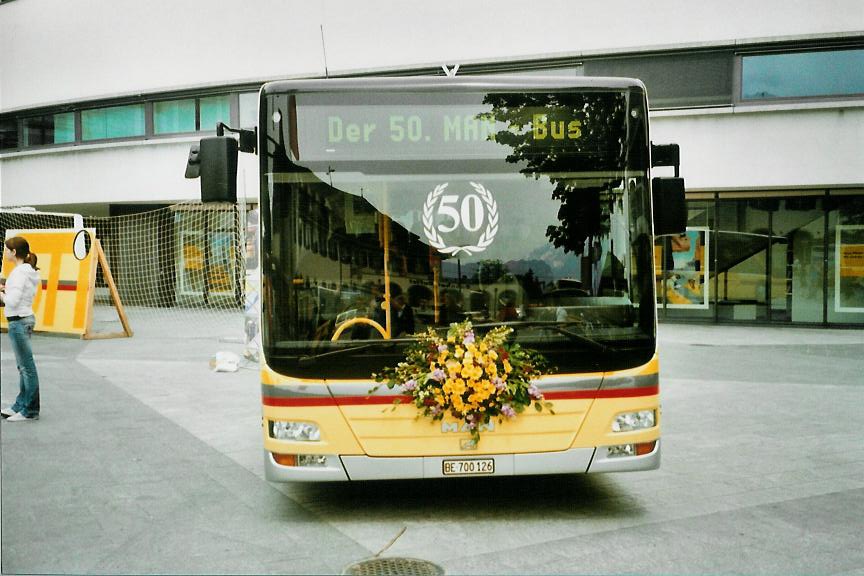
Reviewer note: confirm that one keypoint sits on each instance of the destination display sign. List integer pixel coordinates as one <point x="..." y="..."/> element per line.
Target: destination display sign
<point x="402" y="131"/>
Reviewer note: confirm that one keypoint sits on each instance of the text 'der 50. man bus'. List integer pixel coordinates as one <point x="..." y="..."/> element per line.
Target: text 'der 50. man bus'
<point x="392" y="206"/>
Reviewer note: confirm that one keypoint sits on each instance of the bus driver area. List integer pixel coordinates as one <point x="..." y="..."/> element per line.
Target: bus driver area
<point x="337" y="431"/>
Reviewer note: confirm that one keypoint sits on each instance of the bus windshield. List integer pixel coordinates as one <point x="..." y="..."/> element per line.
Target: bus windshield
<point x="386" y="213"/>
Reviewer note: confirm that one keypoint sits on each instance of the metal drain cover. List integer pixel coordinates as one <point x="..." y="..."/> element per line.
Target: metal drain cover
<point x="394" y="567"/>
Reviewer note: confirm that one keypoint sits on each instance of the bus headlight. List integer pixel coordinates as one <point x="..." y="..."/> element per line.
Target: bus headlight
<point x="627" y="421"/>
<point x="294" y="431"/>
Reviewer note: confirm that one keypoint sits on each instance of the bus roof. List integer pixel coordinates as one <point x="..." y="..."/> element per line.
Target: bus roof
<point x="449" y="84"/>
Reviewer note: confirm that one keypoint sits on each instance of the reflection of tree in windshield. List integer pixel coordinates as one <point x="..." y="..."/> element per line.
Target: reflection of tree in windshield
<point x="557" y="134"/>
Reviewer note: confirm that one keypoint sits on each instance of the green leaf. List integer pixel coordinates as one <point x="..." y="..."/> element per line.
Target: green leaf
<point x="538" y="406"/>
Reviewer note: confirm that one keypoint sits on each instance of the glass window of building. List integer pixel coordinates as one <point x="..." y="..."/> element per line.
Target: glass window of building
<point x="49" y="129"/>
<point x="8" y="134"/>
<point x="803" y="74"/>
<point x="113" y="122"/>
<point x="174" y="116"/>
<point x="248" y="109"/>
<point x="846" y="258"/>
<point x="743" y="290"/>
<point x="214" y="109"/>
<point x="797" y="254"/>
<point x="675" y="80"/>
<point x="539" y="70"/>
<point x="64" y="128"/>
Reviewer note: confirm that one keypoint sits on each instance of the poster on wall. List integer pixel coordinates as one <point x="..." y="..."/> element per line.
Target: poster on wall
<point x="684" y="277"/>
<point x="218" y="265"/>
<point x="849" y="271"/>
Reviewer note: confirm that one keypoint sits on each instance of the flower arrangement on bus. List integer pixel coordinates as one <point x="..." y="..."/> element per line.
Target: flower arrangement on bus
<point x="472" y="379"/>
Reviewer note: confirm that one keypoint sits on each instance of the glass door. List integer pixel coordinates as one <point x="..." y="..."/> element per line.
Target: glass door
<point x="743" y="259"/>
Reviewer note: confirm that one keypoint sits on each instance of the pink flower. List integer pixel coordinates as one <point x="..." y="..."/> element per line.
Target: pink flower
<point x="534" y="392"/>
<point x="499" y="384"/>
<point x="438" y="374"/>
<point x="469" y="338"/>
<point x="410" y="385"/>
<point x="508" y="411"/>
<point x="442" y="348"/>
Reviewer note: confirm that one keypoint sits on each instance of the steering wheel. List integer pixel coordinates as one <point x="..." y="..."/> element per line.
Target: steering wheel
<point x="353" y="321"/>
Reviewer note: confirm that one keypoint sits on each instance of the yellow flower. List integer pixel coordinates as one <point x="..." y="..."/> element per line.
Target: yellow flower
<point x="492" y="369"/>
<point x="453" y="368"/>
<point x="493" y="355"/>
<point x="483" y="347"/>
<point x="507" y="367"/>
<point x="458" y="386"/>
<point x="459" y="352"/>
<point x="442" y="357"/>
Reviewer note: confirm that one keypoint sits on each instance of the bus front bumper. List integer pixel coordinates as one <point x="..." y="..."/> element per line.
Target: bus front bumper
<point x="574" y="461"/>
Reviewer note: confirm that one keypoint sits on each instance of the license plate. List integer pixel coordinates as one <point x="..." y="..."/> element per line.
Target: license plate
<point x="469" y="467"/>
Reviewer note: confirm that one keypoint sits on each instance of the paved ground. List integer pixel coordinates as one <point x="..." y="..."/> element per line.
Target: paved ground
<point x="146" y="461"/>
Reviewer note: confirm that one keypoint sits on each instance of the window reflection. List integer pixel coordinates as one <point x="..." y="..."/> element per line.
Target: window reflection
<point x="114" y="122"/>
<point x="803" y="74"/>
<point x="174" y="116"/>
<point x="215" y="109"/>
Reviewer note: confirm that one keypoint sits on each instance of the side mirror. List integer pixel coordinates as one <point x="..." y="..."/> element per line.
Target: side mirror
<point x="670" y="209"/>
<point x="217" y="158"/>
<point x="193" y="165"/>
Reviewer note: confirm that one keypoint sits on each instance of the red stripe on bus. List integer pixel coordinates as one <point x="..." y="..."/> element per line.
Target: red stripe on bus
<point x="373" y="400"/>
<point x="340" y="401"/>
<point x="610" y="393"/>
<point x="317" y="401"/>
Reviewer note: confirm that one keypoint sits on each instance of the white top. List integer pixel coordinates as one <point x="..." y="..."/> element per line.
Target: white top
<point x="20" y="291"/>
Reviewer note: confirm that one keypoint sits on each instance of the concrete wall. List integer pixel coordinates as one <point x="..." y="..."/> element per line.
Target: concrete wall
<point x="138" y="172"/>
<point x="745" y="148"/>
<point x="56" y="50"/>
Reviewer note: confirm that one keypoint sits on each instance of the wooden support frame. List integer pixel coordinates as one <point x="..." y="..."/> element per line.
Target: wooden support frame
<point x="115" y="297"/>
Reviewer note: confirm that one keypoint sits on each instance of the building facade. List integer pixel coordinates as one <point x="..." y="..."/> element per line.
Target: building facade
<point x="99" y="102"/>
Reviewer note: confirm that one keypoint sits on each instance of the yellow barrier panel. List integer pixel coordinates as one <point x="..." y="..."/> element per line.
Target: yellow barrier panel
<point x="67" y="269"/>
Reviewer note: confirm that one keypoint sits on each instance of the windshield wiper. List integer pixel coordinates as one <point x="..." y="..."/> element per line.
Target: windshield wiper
<point x="559" y="327"/>
<point x="309" y="360"/>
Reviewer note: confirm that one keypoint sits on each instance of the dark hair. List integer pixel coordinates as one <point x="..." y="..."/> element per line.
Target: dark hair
<point x="22" y="250"/>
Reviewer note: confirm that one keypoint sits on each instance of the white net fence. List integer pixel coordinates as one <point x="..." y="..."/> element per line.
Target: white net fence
<point x="181" y="266"/>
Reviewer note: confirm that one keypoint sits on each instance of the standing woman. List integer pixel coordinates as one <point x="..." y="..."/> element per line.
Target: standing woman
<point x="17" y="298"/>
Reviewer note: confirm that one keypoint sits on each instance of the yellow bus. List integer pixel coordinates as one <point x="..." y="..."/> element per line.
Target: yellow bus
<point x="392" y="206"/>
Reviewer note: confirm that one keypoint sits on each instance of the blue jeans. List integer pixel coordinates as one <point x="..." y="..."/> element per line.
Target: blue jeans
<point x="27" y="402"/>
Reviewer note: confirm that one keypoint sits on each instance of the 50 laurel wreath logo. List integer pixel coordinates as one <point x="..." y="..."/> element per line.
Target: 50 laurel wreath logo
<point x="472" y="211"/>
